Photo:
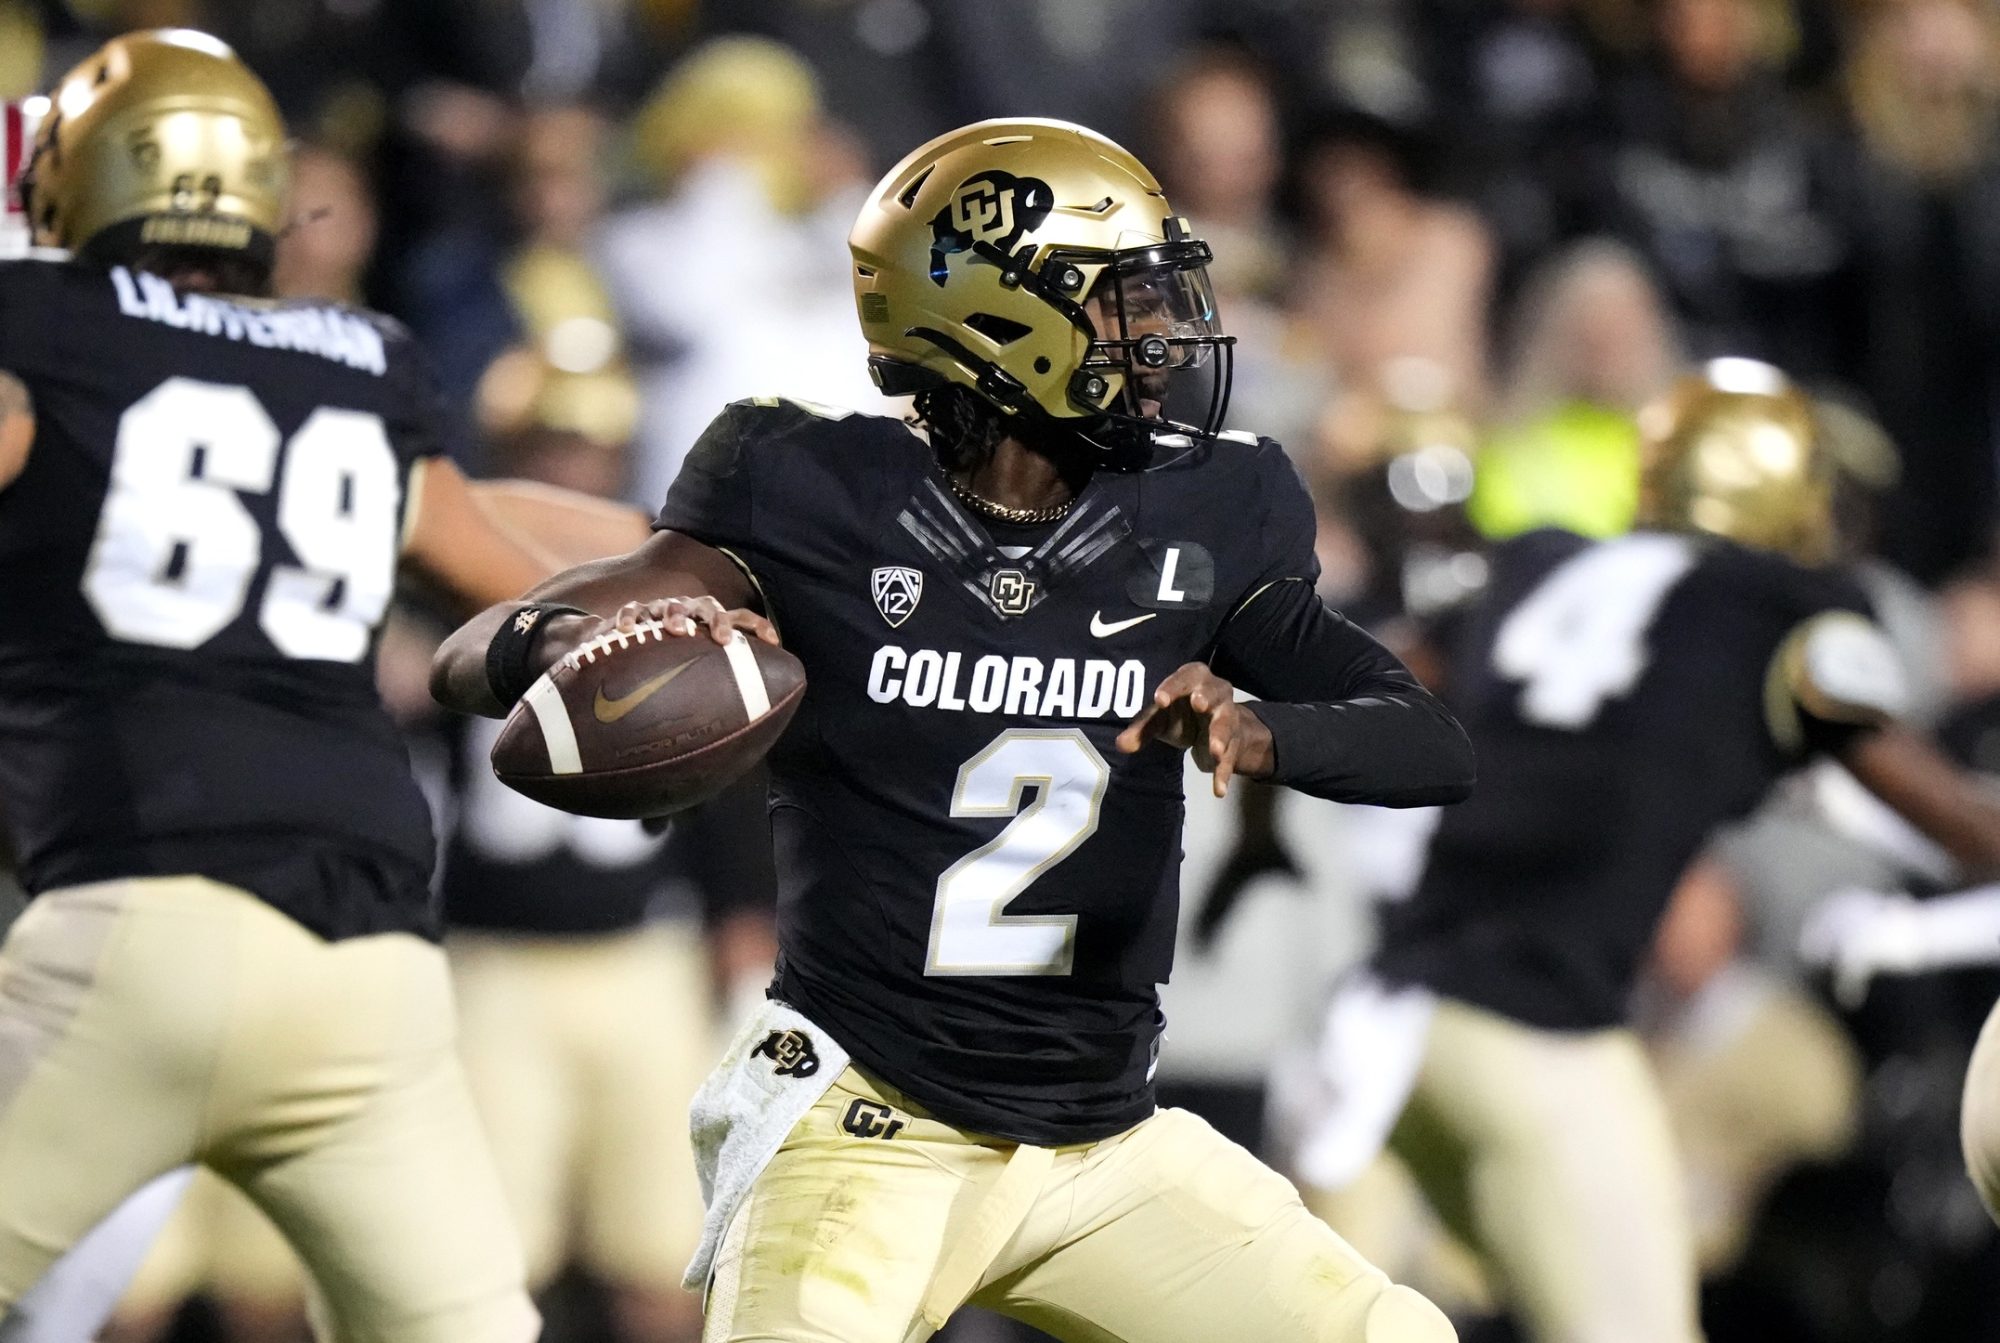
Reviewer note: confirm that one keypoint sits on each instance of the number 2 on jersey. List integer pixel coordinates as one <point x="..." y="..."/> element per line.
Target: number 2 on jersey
<point x="176" y="550"/>
<point x="971" y="932"/>
<point x="1580" y="638"/>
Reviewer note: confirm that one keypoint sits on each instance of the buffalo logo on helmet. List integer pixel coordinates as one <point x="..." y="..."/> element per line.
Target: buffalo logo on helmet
<point x="897" y="591"/>
<point x="992" y="208"/>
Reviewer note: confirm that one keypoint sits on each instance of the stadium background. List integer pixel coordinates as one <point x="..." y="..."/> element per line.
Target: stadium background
<point x="1462" y="241"/>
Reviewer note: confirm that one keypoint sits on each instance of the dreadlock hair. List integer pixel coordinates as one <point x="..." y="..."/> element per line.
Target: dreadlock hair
<point x="964" y="427"/>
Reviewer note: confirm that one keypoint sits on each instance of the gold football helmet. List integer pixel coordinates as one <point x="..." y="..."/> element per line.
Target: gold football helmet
<point x="1038" y="263"/>
<point x="1734" y="451"/>
<point x="161" y="138"/>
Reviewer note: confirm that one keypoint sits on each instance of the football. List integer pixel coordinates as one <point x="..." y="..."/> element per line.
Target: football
<point x="646" y="723"/>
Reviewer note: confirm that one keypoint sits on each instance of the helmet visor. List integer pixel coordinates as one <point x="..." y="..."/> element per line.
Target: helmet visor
<point x="1156" y="306"/>
<point x="1153" y="319"/>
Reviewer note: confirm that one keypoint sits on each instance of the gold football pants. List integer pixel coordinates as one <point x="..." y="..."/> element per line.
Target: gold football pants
<point x="1979" y="1115"/>
<point x="146" y="1024"/>
<point x="1550" y="1153"/>
<point x="216" y="1242"/>
<point x="874" y="1222"/>
<point x="583" y="1053"/>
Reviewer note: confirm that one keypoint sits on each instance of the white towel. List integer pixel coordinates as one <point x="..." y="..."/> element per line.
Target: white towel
<point x="775" y="1070"/>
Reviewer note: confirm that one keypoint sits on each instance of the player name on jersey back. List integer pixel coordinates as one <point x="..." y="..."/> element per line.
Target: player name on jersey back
<point x="1027" y="686"/>
<point x="327" y="332"/>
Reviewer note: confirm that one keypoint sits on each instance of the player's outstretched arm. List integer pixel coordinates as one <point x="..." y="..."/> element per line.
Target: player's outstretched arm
<point x="17" y="427"/>
<point x="471" y="551"/>
<point x="567" y="526"/>
<point x="1346" y="719"/>
<point x="1837" y="685"/>
<point x="670" y="577"/>
<point x="1933" y="793"/>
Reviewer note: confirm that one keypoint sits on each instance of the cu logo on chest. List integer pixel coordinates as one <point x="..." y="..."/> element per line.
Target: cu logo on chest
<point x="1013" y="592"/>
<point x="870" y="1119"/>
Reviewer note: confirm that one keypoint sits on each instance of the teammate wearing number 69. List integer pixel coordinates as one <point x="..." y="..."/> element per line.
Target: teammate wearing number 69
<point x="1011" y="623"/>
<point x="1626" y="697"/>
<point x="205" y="497"/>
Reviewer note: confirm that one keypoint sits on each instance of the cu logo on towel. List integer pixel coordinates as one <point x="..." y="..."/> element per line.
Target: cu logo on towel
<point x="791" y="1053"/>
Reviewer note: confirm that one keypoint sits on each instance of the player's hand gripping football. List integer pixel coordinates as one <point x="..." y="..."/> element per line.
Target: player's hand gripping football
<point x="684" y="617"/>
<point x="1196" y="710"/>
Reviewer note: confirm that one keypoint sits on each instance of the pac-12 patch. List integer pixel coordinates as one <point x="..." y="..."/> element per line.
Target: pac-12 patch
<point x="897" y="591"/>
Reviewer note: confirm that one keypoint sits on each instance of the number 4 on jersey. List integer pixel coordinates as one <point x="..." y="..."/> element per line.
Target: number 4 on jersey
<point x="1580" y="638"/>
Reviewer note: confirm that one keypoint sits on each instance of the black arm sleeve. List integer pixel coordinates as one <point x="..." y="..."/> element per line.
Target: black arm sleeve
<point x="1348" y="721"/>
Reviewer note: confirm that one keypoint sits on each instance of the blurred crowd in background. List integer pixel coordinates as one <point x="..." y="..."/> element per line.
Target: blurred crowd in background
<point x="1461" y="242"/>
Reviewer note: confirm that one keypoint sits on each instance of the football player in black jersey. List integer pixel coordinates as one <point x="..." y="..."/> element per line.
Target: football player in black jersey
<point x="1628" y="696"/>
<point x="1010" y="623"/>
<point x="205" y="498"/>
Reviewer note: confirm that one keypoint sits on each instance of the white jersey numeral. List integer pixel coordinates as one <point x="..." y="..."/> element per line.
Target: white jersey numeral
<point x="338" y="508"/>
<point x="971" y="932"/>
<point x="175" y="548"/>
<point x="1580" y="638"/>
<point x="177" y="551"/>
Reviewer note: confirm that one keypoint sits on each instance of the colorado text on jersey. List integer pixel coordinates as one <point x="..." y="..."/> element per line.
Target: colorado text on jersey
<point x="1017" y="686"/>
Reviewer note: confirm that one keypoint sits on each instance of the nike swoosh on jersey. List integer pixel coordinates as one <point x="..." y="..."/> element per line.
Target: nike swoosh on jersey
<point x="611" y="710"/>
<point x="1101" y="627"/>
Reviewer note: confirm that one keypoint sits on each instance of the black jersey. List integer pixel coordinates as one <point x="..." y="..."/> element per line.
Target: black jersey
<point x="1622" y="698"/>
<point x="977" y="891"/>
<point x="516" y="867"/>
<point x="196" y="560"/>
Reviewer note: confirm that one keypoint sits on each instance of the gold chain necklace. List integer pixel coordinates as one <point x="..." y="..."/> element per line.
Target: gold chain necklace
<point x="979" y="503"/>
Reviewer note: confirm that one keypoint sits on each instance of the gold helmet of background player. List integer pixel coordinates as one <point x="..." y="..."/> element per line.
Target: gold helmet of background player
<point x="1039" y="264"/>
<point x="160" y="138"/>
<point x="1734" y="451"/>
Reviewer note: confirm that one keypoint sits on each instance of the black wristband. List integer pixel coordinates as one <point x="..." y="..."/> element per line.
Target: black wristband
<point x="508" y="674"/>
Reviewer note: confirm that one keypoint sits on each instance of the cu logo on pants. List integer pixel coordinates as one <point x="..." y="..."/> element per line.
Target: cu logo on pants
<point x="870" y="1119"/>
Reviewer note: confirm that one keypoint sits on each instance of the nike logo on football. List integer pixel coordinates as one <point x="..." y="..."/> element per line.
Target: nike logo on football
<point x="611" y="710"/>
<point x="1101" y="627"/>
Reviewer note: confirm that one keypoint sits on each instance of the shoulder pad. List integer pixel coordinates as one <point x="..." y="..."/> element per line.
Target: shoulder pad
<point x="37" y="261"/>
<point x="780" y="422"/>
<point x="815" y="409"/>
<point x="776" y="418"/>
<point x="1839" y="667"/>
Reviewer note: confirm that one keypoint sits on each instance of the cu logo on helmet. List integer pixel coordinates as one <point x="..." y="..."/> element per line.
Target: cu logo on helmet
<point x="991" y="208"/>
